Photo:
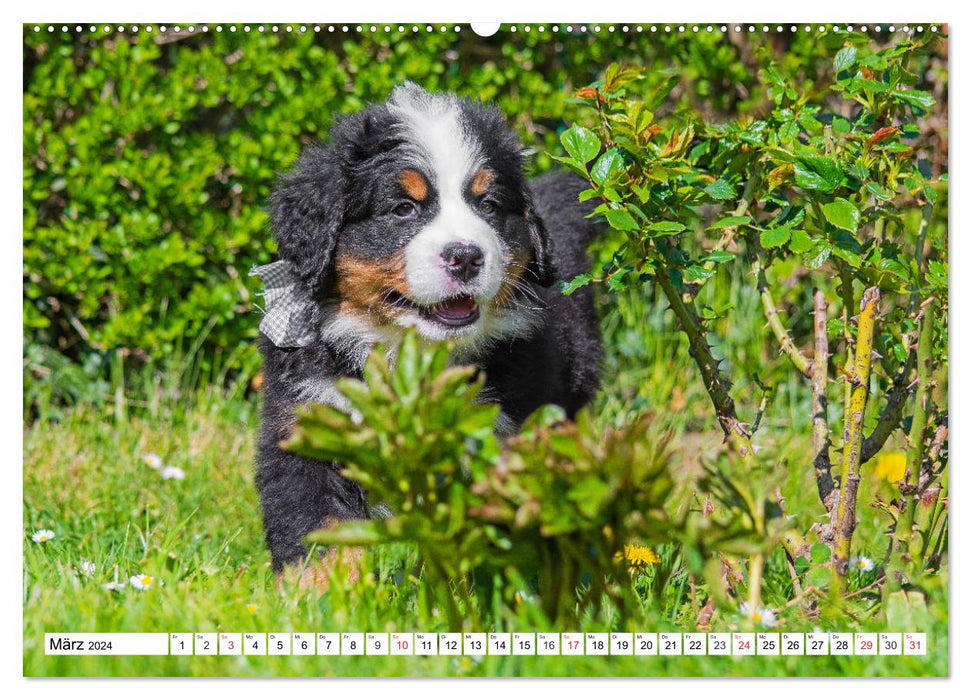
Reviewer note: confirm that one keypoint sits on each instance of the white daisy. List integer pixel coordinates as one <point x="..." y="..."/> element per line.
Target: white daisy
<point x="87" y="567"/>
<point x="763" y="616"/>
<point x="152" y="460"/>
<point x="862" y="563"/>
<point x="141" y="582"/>
<point x="113" y="586"/>
<point x="171" y="472"/>
<point x="43" y="536"/>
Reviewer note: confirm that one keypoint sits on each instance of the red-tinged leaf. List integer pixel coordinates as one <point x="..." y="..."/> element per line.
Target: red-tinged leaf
<point x="883" y="134"/>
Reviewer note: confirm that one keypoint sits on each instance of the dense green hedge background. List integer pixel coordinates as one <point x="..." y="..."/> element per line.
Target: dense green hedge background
<point x="148" y="160"/>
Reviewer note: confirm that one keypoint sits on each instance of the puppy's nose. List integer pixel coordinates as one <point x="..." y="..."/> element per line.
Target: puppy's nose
<point x="463" y="260"/>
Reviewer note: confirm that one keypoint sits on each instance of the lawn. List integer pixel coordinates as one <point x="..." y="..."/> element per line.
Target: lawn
<point x="200" y="537"/>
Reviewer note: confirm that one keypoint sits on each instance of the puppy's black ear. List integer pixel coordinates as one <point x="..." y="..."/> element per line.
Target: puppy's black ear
<point x="307" y="211"/>
<point x="541" y="267"/>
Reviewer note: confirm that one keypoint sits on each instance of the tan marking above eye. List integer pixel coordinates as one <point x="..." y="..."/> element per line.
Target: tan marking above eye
<point x="481" y="181"/>
<point x="414" y="184"/>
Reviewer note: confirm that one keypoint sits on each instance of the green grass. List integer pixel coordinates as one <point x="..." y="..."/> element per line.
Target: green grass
<point x="201" y="537"/>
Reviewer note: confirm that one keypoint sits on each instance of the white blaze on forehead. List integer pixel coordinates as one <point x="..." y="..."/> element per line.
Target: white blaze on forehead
<point x="433" y="127"/>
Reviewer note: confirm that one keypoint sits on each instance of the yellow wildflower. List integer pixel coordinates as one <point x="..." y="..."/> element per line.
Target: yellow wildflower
<point x="639" y="555"/>
<point x="891" y="466"/>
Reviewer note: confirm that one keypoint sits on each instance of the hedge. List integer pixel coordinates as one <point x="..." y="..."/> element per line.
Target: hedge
<point x="148" y="159"/>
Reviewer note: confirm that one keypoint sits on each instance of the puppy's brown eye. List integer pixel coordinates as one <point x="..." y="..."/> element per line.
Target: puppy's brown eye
<point x="406" y="210"/>
<point x="487" y="206"/>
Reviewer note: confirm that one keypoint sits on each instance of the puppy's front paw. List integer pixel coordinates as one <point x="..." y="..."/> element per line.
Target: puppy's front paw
<point x="338" y="563"/>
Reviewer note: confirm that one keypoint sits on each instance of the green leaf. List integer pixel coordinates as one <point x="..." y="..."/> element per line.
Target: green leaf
<point x="880" y="192"/>
<point x="696" y="273"/>
<point x="847" y="254"/>
<point x="818" y="173"/>
<point x="568" y="288"/>
<point x="620" y="279"/>
<point x="571" y="164"/>
<point x="581" y="143"/>
<point x="841" y="125"/>
<point x="719" y="256"/>
<point x="845" y="58"/>
<point x="730" y="221"/>
<point x="819" y="553"/>
<point x="866" y="85"/>
<point x="666" y="228"/>
<point x="915" y="98"/>
<point x="842" y="214"/>
<point x="775" y="237"/>
<point x="350" y="532"/>
<point x="620" y="220"/>
<point x="720" y="189"/>
<point x="800" y="241"/>
<point x="789" y="131"/>
<point x="610" y="163"/>
<point x="818" y="255"/>
<point x="896" y="268"/>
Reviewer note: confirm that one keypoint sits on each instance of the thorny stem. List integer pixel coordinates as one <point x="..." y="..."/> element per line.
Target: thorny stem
<point x="715" y="384"/>
<point x="819" y="375"/>
<point x="905" y="544"/>
<point x="928" y="518"/>
<point x="925" y="221"/>
<point x="858" y="380"/>
<point x="849" y="303"/>
<point x="890" y="417"/>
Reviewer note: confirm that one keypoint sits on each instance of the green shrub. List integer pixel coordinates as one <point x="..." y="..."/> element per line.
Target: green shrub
<point x="148" y="160"/>
<point x="837" y="184"/>
<point x="551" y="508"/>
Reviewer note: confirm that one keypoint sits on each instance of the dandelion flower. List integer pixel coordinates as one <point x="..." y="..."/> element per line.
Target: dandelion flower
<point x="152" y="460"/>
<point x="252" y="608"/>
<point x="762" y="616"/>
<point x="142" y="582"/>
<point x="522" y="597"/>
<point x="467" y="663"/>
<point x="862" y="563"/>
<point x="114" y="586"/>
<point x="173" y="473"/>
<point x="87" y="567"/>
<point x="639" y="555"/>
<point x="891" y="466"/>
<point x="43" y="536"/>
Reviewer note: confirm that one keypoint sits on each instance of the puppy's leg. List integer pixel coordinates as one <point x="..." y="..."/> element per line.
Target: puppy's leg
<point x="299" y="495"/>
<point x="317" y="573"/>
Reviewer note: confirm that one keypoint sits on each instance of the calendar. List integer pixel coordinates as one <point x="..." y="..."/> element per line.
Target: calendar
<point x="546" y="348"/>
<point x="769" y="644"/>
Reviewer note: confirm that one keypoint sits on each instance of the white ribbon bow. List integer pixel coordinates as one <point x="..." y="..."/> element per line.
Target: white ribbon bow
<point x="286" y="316"/>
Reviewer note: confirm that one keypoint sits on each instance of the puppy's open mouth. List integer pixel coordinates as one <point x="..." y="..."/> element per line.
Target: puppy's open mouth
<point x="456" y="312"/>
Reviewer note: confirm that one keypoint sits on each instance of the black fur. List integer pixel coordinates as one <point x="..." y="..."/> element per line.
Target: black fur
<point x="337" y="199"/>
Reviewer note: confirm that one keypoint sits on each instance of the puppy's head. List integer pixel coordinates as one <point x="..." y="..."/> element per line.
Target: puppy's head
<point x="417" y="214"/>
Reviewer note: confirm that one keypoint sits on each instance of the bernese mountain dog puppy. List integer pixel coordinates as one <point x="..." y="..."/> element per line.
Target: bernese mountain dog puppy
<point x="415" y="214"/>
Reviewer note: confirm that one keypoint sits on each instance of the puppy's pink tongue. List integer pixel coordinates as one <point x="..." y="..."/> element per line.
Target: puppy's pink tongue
<point x="457" y="308"/>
